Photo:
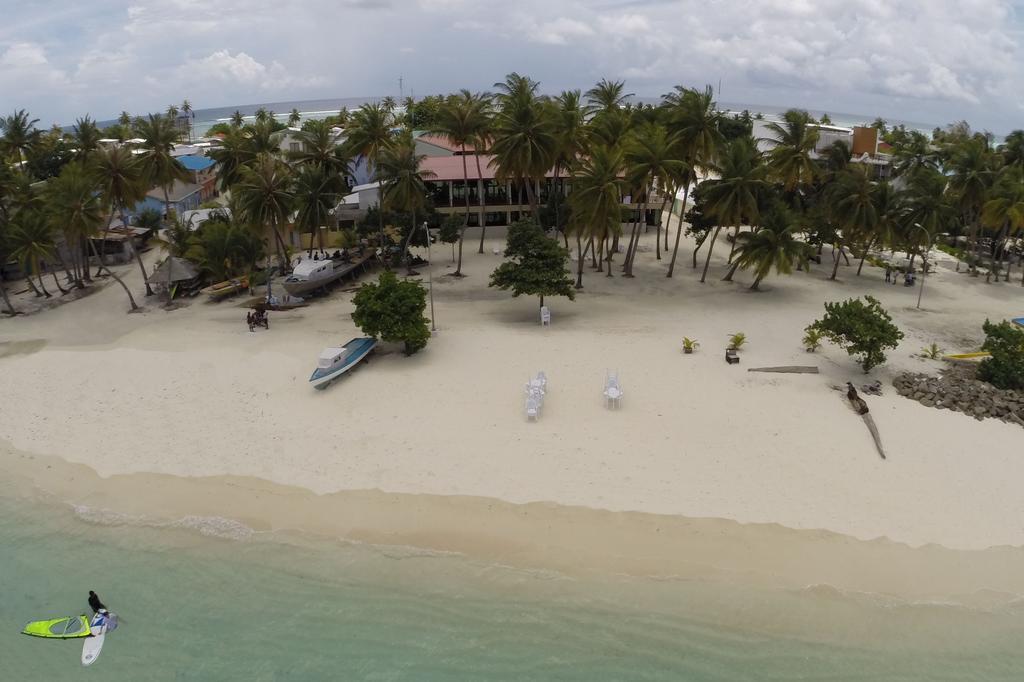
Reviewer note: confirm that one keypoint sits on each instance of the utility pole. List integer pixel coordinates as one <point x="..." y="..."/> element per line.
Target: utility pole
<point x="401" y="90"/>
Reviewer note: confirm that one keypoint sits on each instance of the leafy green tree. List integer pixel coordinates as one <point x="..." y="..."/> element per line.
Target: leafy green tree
<point x="596" y="202"/>
<point x="790" y="159"/>
<point x="392" y="310"/>
<point x="649" y="159"/>
<point x="451" y="232"/>
<point x="224" y="249"/>
<point x="403" y="181"/>
<point x="87" y="138"/>
<point x="32" y="243"/>
<point x="863" y="328"/>
<point x="536" y="264"/>
<point x="316" y="194"/>
<point x="734" y="198"/>
<point x="294" y="117"/>
<point x="1005" y="366"/>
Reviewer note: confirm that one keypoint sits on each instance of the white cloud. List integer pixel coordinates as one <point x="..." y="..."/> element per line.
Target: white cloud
<point x="934" y="60"/>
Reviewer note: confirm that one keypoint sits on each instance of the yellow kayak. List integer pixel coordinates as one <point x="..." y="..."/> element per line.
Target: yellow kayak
<point x="968" y="356"/>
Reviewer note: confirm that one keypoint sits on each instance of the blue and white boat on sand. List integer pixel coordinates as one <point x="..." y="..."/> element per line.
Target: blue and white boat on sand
<point x="333" y="362"/>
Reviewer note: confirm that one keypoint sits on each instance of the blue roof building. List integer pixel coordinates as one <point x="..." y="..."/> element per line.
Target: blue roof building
<point x="196" y="164"/>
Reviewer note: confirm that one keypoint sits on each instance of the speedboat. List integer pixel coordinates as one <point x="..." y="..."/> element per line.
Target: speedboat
<point x="335" y="361"/>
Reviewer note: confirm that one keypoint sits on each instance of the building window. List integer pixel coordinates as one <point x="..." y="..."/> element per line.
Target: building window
<point x="295" y="146"/>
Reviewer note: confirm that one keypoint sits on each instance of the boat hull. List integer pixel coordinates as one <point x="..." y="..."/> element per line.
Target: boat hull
<point x="322" y="377"/>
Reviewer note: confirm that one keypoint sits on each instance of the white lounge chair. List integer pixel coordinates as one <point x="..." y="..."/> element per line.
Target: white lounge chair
<point x="496" y="251"/>
<point x="545" y="316"/>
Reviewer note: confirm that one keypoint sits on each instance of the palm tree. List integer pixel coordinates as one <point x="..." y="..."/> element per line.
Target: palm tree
<point x="369" y="135"/>
<point x="733" y="199"/>
<point x="234" y="152"/>
<point x="172" y="111"/>
<point x="294" y="118"/>
<point x="262" y="115"/>
<point x="20" y="135"/>
<point x="525" y="145"/>
<point x="158" y="166"/>
<point x="1004" y="211"/>
<point x="402" y="180"/>
<point x="607" y="95"/>
<point x="388" y="103"/>
<point x="237" y="120"/>
<point x="186" y="109"/>
<point x="571" y="135"/>
<point x="75" y="208"/>
<point x="649" y="159"/>
<point x="790" y="159"/>
<point x="225" y="249"/>
<point x="972" y="169"/>
<point x="263" y="137"/>
<point x="695" y="122"/>
<point x="852" y="202"/>
<point x="596" y="201"/>
<point x="31" y="244"/>
<point x="125" y="119"/>
<point x="914" y="155"/>
<point x="928" y="204"/>
<point x="320" y="147"/>
<point x="1012" y="149"/>
<point x="458" y="122"/>
<point x="265" y="197"/>
<point x="87" y="137"/>
<point x="119" y="179"/>
<point x="890" y="216"/>
<point x="316" y="194"/>
<point x="771" y="246"/>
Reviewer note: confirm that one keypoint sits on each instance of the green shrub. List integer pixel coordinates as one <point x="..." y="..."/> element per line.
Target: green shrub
<point x="1005" y="344"/>
<point x="863" y="328"/>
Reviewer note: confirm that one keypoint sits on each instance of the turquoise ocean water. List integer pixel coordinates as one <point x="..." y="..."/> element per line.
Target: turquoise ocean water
<point x="206" y="600"/>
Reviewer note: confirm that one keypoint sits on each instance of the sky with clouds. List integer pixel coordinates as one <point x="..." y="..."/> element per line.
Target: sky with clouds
<point x="932" y="61"/>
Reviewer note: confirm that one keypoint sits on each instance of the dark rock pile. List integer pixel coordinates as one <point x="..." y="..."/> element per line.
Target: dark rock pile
<point x="956" y="388"/>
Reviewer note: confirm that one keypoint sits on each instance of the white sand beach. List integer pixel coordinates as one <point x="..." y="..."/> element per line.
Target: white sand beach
<point x="192" y="393"/>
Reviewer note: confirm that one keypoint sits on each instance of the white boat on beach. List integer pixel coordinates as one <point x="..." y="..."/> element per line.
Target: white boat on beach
<point x="310" y="275"/>
<point x="335" y="361"/>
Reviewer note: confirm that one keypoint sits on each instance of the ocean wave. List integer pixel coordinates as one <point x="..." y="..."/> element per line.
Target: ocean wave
<point x="208" y="526"/>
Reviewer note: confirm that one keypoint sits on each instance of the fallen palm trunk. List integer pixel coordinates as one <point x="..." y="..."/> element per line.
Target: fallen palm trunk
<point x="874" y="433"/>
<point x="787" y="369"/>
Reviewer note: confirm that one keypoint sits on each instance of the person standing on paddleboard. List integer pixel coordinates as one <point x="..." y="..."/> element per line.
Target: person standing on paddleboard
<point x="95" y="604"/>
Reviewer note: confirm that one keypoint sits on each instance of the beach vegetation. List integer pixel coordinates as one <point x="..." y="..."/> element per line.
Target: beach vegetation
<point x="812" y="339"/>
<point x="403" y="182"/>
<point x="1004" y="368"/>
<point x="369" y="135"/>
<point x="689" y="345"/>
<point x="932" y="351"/>
<point x="224" y="249"/>
<point x="535" y="264"/>
<point x="862" y="327"/>
<point x="737" y="340"/>
<point x="392" y="310"/>
<point x="451" y="232"/>
<point x="265" y="197"/>
<point x="159" y="166"/>
<point x="773" y="245"/>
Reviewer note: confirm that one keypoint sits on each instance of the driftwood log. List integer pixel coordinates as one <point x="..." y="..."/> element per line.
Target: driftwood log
<point x="787" y="369"/>
<point x="858" y="404"/>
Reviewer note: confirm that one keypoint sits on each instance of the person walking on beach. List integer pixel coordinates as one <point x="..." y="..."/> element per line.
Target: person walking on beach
<point x="888" y="274"/>
<point x="249" y="319"/>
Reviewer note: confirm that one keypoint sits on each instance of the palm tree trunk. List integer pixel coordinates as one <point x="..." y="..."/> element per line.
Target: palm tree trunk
<point x="39" y="274"/>
<point x="627" y="270"/>
<point x="167" y="205"/>
<point x="608" y="256"/>
<point x="281" y="250"/>
<point x="864" y="257"/>
<point x="56" y="281"/>
<point x="679" y="232"/>
<point x="106" y="231"/>
<point x="532" y="199"/>
<point x="835" y="264"/>
<point x="732" y="271"/>
<point x="707" y="259"/>
<point x="131" y="299"/>
<point x="32" y="285"/>
<point x="735" y="239"/>
<point x="86" y="242"/>
<point x="465" y="221"/>
<point x="7" y="300"/>
<point x="138" y="257"/>
<point x="599" y="254"/>
<point x="483" y="221"/>
<point x="579" y="262"/>
<point x="661" y="218"/>
<point x="756" y="286"/>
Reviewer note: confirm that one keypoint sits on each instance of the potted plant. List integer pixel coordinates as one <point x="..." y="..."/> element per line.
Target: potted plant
<point x="689" y="344"/>
<point x="737" y="340"/>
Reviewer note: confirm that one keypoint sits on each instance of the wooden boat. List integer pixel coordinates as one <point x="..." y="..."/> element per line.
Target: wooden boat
<point x="228" y="288"/>
<point x="335" y="361"/>
<point x="314" y="275"/>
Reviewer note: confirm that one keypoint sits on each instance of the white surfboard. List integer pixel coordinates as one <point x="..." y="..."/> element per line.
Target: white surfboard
<point x="94" y="643"/>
